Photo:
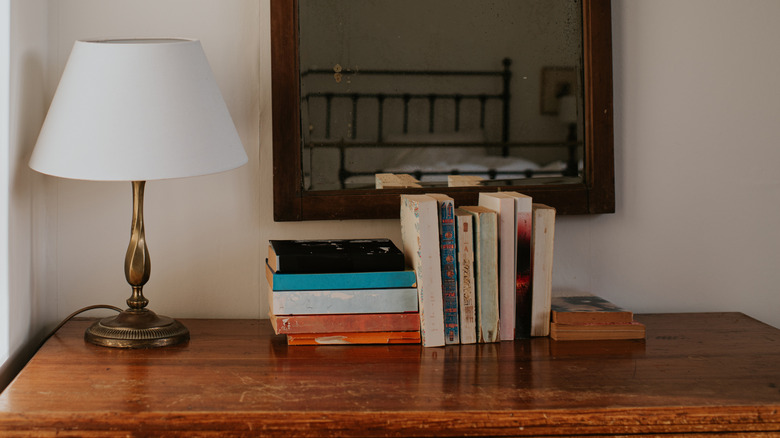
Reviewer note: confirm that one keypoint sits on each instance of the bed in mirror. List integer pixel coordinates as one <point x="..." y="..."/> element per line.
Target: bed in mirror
<point x="514" y="92"/>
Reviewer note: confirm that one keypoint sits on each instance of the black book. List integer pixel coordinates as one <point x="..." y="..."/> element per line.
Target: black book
<point x="321" y="256"/>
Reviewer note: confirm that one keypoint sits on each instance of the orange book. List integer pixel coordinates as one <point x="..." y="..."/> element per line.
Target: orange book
<point x="410" y="337"/>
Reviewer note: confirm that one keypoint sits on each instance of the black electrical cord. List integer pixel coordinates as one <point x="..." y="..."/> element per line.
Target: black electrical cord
<point x="73" y="315"/>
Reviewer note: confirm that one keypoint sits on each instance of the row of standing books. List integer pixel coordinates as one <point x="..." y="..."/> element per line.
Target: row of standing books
<point x="484" y="272"/>
<point x="355" y="291"/>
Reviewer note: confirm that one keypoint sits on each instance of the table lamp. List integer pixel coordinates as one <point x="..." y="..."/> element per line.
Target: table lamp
<point x="137" y="110"/>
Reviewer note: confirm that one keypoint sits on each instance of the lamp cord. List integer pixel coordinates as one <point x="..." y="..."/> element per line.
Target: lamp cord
<point x="73" y="315"/>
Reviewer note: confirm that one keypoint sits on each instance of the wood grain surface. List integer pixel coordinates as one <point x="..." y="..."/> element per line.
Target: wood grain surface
<point x="695" y="373"/>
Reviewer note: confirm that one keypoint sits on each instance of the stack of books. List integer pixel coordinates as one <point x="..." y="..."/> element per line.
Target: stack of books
<point x="589" y="317"/>
<point x="341" y="292"/>
<point x="484" y="272"/>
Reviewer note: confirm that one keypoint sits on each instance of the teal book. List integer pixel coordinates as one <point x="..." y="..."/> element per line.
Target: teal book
<point x="340" y="280"/>
<point x="449" y="271"/>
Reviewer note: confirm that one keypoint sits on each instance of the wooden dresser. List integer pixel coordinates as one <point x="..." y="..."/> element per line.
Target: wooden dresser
<point x="695" y="374"/>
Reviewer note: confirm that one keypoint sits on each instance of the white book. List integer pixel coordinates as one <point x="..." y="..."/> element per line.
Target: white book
<point x="466" y="292"/>
<point x="504" y="206"/>
<point x="541" y="274"/>
<point x="327" y="302"/>
<point x="420" y="235"/>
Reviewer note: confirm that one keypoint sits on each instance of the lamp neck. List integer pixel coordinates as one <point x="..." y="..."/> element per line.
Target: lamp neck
<point x="137" y="263"/>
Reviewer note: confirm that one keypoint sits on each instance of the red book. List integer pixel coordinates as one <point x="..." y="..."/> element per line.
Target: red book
<point x="379" y="322"/>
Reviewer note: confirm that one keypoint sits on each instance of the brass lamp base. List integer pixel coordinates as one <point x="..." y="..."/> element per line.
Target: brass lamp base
<point x="137" y="329"/>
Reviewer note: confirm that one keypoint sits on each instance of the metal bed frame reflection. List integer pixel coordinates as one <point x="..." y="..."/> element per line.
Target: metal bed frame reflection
<point x="504" y="75"/>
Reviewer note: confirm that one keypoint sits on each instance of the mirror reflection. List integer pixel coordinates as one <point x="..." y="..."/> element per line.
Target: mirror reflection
<point x="431" y="88"/>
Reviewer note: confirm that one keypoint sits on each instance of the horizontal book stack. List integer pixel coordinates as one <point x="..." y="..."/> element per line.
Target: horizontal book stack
<point x="484" y="272"/>
<point x="589" y="317"/>
<point x="341" y="292"/>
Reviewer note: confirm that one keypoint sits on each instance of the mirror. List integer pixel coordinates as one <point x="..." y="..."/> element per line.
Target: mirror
<point x="530" y="111"/>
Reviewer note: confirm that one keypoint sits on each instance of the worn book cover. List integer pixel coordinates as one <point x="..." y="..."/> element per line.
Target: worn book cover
<point x="339" y="280"/>
<point x="541" y="268"/>
<point x="582" y="308"/>
<point x="523" y="296"/>
<point x="593" y="332"/>
<point x="320" y="256"/>
<point x="504" y="206"/>
<point x="420" y="235"/>
<point x="314" y="302"/>
<point x="345" y="323"/>
<point x="449" y="277"/>
<point x="486" y="272"/>
<point x="466" y="294"/>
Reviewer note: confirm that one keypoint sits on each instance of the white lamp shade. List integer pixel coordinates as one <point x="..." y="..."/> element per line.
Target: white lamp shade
<point x="137" y="110"/>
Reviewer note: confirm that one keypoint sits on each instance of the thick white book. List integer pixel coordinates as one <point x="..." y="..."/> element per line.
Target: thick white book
<point x="464" y="224"/>
<point x="344" y="301"/>
<point x="504" y="205"/>
<point x="420" y="235"/>
<point x="542" y="264"/>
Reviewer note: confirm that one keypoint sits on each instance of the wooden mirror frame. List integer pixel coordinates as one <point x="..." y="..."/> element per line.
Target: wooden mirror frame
<point x="594" y="194"/>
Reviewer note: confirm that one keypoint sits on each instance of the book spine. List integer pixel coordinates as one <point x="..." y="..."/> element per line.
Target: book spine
<point x="487" y="278"/>
<point x="467" y="304"/>
<point x="346" y="280"/>
<point x="523" y="299"/>
<point x="411" y="337"/>
<point x="326" y="256"/>
<point x="564" y="332"/>
<point x="504" y="205"/>
<point x="542" y="263"/>
<point x="380" y="322"/>
<point x="419" y="232"/>
<point x="310" y="264"/>
<point x="314" y="302"/>
<point x="449" y="280"/>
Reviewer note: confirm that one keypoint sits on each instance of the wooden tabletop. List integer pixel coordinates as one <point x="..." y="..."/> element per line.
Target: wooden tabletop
<point x="694" y="373"/>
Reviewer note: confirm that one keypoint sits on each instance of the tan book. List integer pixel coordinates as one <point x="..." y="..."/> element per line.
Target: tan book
<point x="542" y="239"/>
<point x="395" y="181"/>
<point x="594" y="332"/>
<point x="486" y="272"/>
<point x="504" y="206"/>
<point x="466" y="293"/>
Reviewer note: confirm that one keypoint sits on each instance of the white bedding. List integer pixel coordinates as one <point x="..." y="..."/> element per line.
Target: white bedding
<point x="422" y="156"/>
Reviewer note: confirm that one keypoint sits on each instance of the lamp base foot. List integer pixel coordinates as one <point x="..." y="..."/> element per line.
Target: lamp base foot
<point x="137" y="329"/>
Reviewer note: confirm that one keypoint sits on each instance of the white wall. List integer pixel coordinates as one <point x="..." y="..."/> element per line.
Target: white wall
<point x="695" y="105"/>
<point x="31" y="302"/>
